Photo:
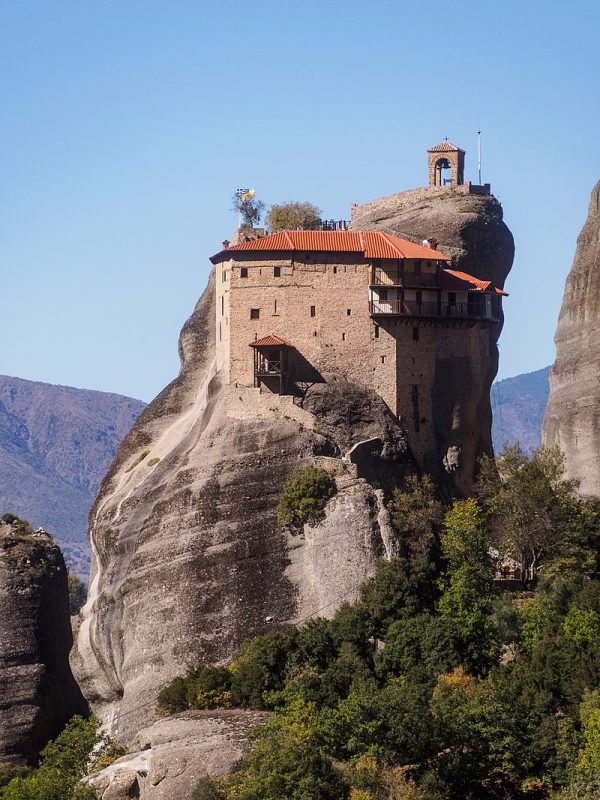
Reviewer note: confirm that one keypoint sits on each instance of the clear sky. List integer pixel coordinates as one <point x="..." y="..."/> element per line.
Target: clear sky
<point x="125" y="127"/>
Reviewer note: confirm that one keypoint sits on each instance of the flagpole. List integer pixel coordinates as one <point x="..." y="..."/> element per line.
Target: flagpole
<point x="479" y="154"/>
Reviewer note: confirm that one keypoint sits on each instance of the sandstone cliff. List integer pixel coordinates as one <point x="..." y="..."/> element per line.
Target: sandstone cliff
<point x="572" y="418"/>
<point x="37" y="691"/>
<point x="188" y="559"/>
<point x="470" y="228"/>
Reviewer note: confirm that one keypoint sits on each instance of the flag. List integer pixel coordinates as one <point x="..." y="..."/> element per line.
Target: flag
<point x="249" y="194"/>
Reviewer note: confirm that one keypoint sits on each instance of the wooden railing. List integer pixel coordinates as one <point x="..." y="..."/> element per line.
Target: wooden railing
<point x="410" y="308"/>
<point x="380" y="277"/>
<point x="268" y="368"/>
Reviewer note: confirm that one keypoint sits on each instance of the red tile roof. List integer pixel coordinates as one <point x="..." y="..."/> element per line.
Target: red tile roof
<point x="270" y="341"/>
<point x="477" y="285"/>
<point x="445" y="147"/>
<point x="372" y="244"/>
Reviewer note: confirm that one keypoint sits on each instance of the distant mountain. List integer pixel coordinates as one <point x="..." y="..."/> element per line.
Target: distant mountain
<point x="56" y="444"/>
<point x="518" y="406"/>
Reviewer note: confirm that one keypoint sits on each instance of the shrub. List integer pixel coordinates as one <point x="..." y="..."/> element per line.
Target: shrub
<point x="77" y="593"/>
<point x="8" y="519"/>
<point x="305" y="496"/>
<point x="174" y="697"/>
<point x="260" y="667"/>
<point x="138" y="460"/>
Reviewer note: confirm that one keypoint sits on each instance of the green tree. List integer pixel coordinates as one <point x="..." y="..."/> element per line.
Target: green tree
<point x="293" y="216"/>
<point x="249" y="208"/>
<point x="529" y="500"/>
<point x="416" y="513"/>
<point x="305" y="496"/>
<point x="468" y="597"/>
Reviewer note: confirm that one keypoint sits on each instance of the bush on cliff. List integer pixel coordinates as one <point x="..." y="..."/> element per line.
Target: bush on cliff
<point x="305" y="496"/>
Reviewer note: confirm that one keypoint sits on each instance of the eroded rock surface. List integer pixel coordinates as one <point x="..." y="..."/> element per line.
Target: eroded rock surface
<point x="174" y="753"/>
<point x="572" y="418"/>
<point x="37" y="691"/>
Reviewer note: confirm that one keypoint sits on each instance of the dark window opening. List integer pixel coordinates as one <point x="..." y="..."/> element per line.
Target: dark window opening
<point x="343" y="337"/>
<point x="313" y="311"/>
<point x="219" y="331"/>
<point x="277" y="272"/>
<point x="383" y="359"/>
<point x="414" y="391"/>
<point x="224" y="276"/>
<point x="415" y="334"/>
<point x="243" y="272"/>
<point x="314" y="333"/>
<point x="348" y="311"/>
<point x="335" y="270"/>
<point x="377" y="331"/>
<point x="451" y="298"/>
<point x="222" y="305"/>
<point x="275" y="307"/>
<point x="383" y="294"/>
<point x="255" y="313"/>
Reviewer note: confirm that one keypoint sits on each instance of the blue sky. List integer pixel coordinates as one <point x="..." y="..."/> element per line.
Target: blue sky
<point x="126" y="126"/>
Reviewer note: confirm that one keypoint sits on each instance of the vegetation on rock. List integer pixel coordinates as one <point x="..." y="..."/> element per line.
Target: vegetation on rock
<point x="305" y="496"/>
<point x="77" y="593"/>
<point x="77" y="751"/>
<point x="432" y="685"/>
<point x="293" y="216"/>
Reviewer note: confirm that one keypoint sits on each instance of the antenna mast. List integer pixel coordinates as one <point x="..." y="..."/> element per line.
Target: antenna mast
<point x="479" y="155"/>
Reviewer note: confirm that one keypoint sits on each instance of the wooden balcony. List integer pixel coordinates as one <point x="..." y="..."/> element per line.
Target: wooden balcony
<point x="395" y="277"/>
<point x="268" y="367"/>
<point x="410" y="308"/>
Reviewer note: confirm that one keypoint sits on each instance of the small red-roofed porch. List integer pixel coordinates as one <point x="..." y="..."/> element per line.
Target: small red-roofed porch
<point x="270" y="362"/>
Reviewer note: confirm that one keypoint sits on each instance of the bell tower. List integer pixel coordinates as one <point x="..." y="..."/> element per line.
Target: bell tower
<point x="446" y="164"/>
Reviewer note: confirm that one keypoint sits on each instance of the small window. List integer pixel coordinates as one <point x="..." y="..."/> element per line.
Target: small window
<point x="348" y="311"/>
<point x="313" y="311"/>
<point x="222" y="304"/>
<point x="243" y="272"/>
<point x="275" y="307"/>
<point x="224" y="276"/>
<point x="335" y="270"/>
<point x="219" y="331"/>
<point x="383" y="359"/>
<point x="377" y="331"/>
<point x="343" y="337"/>
<point x="277" y="272"/>
<point x="314" y="333"/>
<point x="254" y="313"/>
<point x="415" y="334"/>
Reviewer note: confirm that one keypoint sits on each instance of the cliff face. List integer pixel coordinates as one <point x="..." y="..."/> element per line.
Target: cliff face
<point x="572" y="418"/>
<point x="470" y="228"/>
<point x="188" y="558"/>
<point x="37" y="691"/>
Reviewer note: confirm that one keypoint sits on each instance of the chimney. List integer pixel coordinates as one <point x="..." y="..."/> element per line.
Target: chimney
<point x="226" y="244"/>
<point x="431" y="243"/>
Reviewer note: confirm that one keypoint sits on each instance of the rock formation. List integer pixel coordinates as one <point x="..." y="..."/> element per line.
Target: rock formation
<point x="188" y="558"/>
<point x="572" y="419"/>
<point x="37" y="691"/>
<point x="468" y="226"/>
<point x="173" y="754"/>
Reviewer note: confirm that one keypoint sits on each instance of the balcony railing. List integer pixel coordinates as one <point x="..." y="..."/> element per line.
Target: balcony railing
<point x="410" y="308"/>
<point x="394" y="278"/>
<point x="268" y="368"/>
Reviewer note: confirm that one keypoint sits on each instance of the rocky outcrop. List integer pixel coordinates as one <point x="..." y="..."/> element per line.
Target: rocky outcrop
<point x="470" y="228"/>
<point x="174" y="753"/>
<point x="572" y="419"/>
<point x="37" y="691"/>
<point x="189" y="560"/>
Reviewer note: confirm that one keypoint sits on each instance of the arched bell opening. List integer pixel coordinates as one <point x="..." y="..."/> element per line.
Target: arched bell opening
<point x="443" y="172"/>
